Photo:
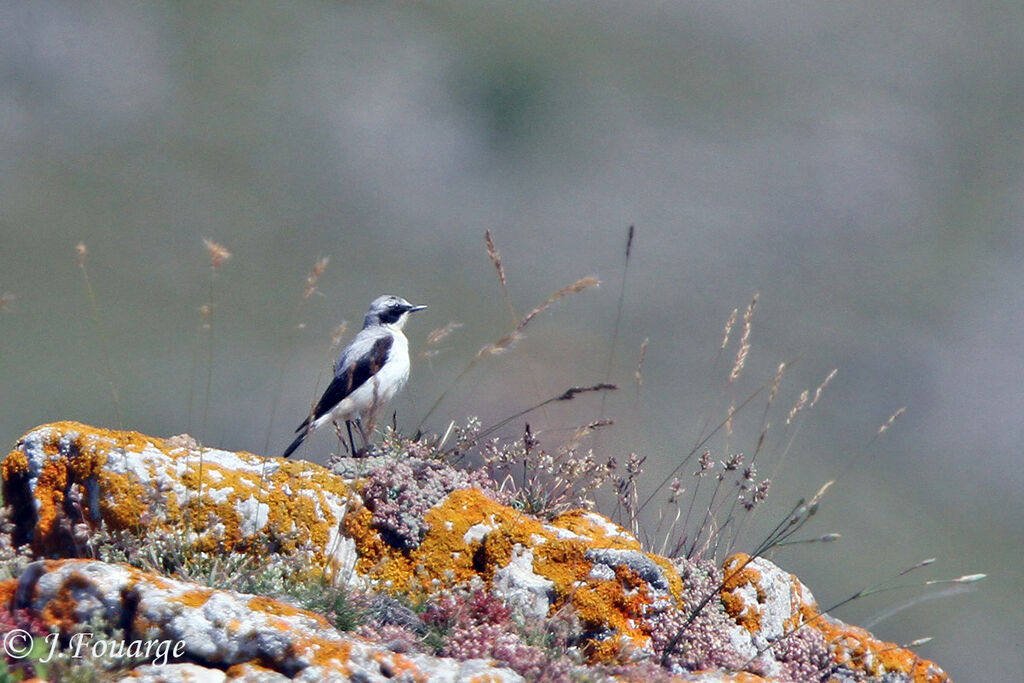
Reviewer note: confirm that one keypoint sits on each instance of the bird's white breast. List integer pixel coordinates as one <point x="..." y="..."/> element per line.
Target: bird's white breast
<point x="377" y="390"/>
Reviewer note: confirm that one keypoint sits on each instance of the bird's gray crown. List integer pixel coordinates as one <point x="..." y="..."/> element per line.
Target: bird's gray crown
<point x="389" y="310"/>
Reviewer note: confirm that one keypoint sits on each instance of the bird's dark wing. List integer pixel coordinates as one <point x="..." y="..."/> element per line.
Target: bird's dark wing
<point x="353" y="374"/>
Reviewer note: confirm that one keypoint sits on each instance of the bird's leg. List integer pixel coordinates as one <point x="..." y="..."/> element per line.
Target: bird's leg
<point x="365" y="436"/>
<point x="351" y="441"/>
<point x="341" y="437"/>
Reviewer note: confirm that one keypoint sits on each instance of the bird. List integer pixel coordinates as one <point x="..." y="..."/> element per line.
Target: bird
<point x="370" y="371"/>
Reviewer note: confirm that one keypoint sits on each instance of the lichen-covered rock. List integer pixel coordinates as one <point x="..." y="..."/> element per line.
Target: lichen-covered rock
<point x="420" y="531"/>
<point x="780" y="616"/>
<point x="235" y="636"/>
<point x="64" y="474"/>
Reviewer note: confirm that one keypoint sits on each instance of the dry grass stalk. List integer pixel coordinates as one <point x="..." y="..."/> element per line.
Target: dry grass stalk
<point x="217" y="253"/>
<point x="744" y="349"/>
<point x="776" y="381"/>
<point x="821" y="493"/>
<point x="584" y="431"/>
<point x="509" y="340"/>
<point x="574" y="288"/>
<point x="888" y="423"/>
<point x="314" y="276"/>
<point x="436" y="337"/>
<point x="81" y="251"/>
<point x="218" y="256"/>
<point x="495" y="256"/>
<point x="441" y="333"/>
<point x="728" y="329"/>
<point x="337" y="335"/>
<point x="205" y="313"/>
<point x="639" y="374"/>
<point x="500" y="346"/>
<point x="821" y="387"/>
<point x="797" y="407"/>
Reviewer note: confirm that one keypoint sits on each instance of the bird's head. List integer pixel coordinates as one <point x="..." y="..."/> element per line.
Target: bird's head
<point x="389" y="310"/>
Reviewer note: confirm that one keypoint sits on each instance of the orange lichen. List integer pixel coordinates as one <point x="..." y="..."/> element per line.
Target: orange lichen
<point x="738" y="574"/>
<point x="582" y="523"/>
<point x="60" y="611"/>
<point x="137" y="575"/>
<point x="444" y="551"/>
<point x="50" y="495"/>
<point x="7" y="590"/>
<point x="328" y="653"/>
<point x="295" y="501"/>
<point x="194" y="598"/>
<point x="675" y="582"/>
<point x="123" y="503"/>
<point x="246" y="670"/>
<point x="452" y="551"/>
<point x="15" y="463"/>
<point x="802" y="607"/>
<point x="857" y="649"/>
<point x="395" y="665"/>
<point x="282" y="609"/>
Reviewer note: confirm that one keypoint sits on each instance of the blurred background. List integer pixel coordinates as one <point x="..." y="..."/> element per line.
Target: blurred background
<point x="859" y="165"/>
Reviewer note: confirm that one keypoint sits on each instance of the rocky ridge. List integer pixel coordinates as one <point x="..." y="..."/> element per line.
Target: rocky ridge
<point x="454" y="583"/>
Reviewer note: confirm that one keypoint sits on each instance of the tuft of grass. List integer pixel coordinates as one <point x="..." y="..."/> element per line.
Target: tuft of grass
<point x="548" y="483"/>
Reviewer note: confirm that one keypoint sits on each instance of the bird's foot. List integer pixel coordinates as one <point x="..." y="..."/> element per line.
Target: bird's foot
<point x="367" y="451"/>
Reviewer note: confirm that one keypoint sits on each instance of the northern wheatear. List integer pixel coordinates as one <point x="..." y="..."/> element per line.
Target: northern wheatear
<point x="371" y="370"/>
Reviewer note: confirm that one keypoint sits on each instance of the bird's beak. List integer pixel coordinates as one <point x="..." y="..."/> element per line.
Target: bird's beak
<point x="413" y="309"/>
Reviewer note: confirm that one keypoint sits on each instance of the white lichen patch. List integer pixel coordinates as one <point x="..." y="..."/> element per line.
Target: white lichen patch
<point x="253" y="515"/>
<point x="525" y="590"/>
<point x="561" y="533"/>
<point x="609" y="527"/>
<point x="478" y="532"/>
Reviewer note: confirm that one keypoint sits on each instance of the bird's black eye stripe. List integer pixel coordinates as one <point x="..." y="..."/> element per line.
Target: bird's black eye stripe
<point x="392" y="314"/>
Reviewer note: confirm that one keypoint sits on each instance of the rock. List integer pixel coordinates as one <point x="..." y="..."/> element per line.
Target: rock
<point x="225" y="631"/>
<point x="414" y="530"/>
<point x="66" y="474"/>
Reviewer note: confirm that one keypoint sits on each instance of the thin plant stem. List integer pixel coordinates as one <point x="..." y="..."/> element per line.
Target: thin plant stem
<point x="94" y="309"/>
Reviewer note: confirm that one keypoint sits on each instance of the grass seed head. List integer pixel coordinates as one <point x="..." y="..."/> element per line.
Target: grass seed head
<point x="495" y="256"/>
<point x="217" y="253"/>
<point x="314" y="276"/>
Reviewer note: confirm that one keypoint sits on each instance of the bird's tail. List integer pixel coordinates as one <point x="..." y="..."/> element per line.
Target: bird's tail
<point x="296" y="443"/>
